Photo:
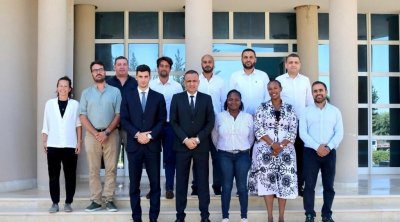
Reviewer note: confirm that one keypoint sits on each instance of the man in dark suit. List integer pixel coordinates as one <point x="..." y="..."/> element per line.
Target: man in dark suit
<point x="143" y="115"/>
<point x="192" y="119"/>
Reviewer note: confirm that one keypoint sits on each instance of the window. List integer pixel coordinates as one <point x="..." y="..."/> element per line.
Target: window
<point x="174" y="25"/>
<point x="221" y="25"/>
<point x="282" y="26"/>
<point x="143" y="25"/>
<point x="385" y="27"/>
<point x="107" y="54"/>
<point x="248" y="25"/>
<point x="109" y="25"/>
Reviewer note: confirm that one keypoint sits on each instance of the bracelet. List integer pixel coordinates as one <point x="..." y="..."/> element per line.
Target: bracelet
<point x="281" y="146"/>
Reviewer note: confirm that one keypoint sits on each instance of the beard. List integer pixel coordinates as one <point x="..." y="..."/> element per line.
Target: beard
<point x="99" y="80"/>
<point x="250" y="66"/>
<point x="207" y="69"/>
<point x="319" y="100"/>
<point x="163" y="73"/>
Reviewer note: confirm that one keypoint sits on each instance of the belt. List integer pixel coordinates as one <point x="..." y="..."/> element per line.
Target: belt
<point x="235" y="151"/>
<point x="101" y="130"/>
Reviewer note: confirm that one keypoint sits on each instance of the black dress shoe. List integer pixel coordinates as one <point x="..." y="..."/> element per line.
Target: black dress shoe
<point x="148" y="195"/>
<point x="205" y="220"/>
<point x="217" y="191"/>
<point x="169" y="194"/>
<point x="153" y="220"/>
<point x="194" y="192"/>
<point x="179" y="220"/>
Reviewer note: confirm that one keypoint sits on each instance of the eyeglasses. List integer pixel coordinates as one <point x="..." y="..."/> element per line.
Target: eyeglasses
<point x="98" y="70"/>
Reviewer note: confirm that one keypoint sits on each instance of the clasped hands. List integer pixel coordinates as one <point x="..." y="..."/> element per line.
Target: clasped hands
<point x="101" y="137"/>
<point x="142" y="137"/>
<point x="191" y="143"/>
<point x="276" y="149"/>
<point x="322" y="150"/>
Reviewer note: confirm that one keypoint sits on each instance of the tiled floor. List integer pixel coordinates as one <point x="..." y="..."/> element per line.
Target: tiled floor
<point x="367" y="185"/>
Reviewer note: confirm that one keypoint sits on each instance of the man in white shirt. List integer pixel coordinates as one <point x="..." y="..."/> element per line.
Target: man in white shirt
<point x="214" y="86"/>
<point x="296" y="90"/>
<point x="321" y="129"/>
<point x="165" y="85"/>
<point x="250" y="82"/>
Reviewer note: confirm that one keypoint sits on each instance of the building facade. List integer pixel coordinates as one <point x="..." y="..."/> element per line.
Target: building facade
<point x="351" y="45"/>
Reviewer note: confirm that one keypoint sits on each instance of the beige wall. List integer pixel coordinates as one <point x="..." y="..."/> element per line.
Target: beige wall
<point x="18" y="46"/>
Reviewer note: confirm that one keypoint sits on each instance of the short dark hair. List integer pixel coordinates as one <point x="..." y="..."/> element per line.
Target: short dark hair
<point x="66" y="78"/>
<point x="191" y="71"/>
<point x="319" y="82"/>
<point x="96" y="62"/>
<point x="165" y="58"/>
<point x="143" y="68"/>
<point x="120" y="57"/>
<point x="293" y="55"/>
<point x="249" y="50"/>
<point x="233" y="91"/>
<point x="275" y="81"/>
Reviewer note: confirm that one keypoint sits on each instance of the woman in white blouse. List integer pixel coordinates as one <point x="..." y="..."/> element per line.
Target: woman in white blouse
<point x="233" y="136"/>
<point x="62" y="135"/>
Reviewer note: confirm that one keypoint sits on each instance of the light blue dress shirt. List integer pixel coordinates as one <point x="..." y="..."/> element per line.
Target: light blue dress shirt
<point x="321" y="126"/>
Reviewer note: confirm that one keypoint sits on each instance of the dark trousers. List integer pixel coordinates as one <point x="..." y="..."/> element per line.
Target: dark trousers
<point x="234" y="166"/>
<point x="200" y="167"/>
<point x="216" y="169"/>
<point x="151" y="161"/>
<point x="68" y="159"/>
<point x="299" y="147"/>
<point x="312" y="164"/>
<point x="168" y="156"/>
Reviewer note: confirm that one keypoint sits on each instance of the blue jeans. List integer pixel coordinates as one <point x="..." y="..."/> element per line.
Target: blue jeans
<point x="234" y="166"/>
<point x="312" y="164"/>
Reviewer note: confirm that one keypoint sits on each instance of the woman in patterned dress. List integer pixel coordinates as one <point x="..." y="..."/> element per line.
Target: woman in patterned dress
<point x="273" y="170"/>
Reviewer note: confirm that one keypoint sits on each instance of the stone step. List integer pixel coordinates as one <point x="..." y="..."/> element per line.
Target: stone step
<point x="340" y="202"/>
<point x="192" y="215"/>
<point x="346" y="208"/>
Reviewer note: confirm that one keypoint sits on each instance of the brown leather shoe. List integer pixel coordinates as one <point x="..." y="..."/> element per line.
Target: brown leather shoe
<point x="148" y="195"/>
<point x="169" y="194"/>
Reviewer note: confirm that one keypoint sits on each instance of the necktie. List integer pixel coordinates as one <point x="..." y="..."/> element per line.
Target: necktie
<point x="143" y="100"/>
<point x="191" y="103"/>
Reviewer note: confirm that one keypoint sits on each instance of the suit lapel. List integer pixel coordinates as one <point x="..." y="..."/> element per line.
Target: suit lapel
<point x="136" y="99"/>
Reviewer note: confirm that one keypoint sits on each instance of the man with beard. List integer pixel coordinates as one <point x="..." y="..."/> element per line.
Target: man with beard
<point x="99" y="114"/>
<point x="122" y="80"/>
<point x="296" y="90"/>
<point x="212" y="85"/>
<point x="321" y="129"/>
<point x="168" y="87"/>
<point x="250" y="82"/>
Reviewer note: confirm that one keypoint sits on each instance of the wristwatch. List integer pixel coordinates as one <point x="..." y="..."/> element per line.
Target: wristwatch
<point x="149" y="136"/>
<point x="107" y="133"/>
<point x="281" y="146"/>
<point x="328" y="148"/>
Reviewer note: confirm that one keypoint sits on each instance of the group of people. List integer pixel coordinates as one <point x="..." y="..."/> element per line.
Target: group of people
<point x="271" y="137"/>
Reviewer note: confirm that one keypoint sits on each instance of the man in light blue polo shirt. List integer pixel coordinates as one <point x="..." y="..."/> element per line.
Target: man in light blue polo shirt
<point x="321" y="129"/>
<point x="99" y="114"/>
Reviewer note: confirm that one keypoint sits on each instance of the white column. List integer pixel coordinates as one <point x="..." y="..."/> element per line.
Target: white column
<point x="18" y="22"/>
<point x="51" y="64"/>
<point x="84" y="46"/>
<point x="307" y="39"/>
<point x="198" y="32"/>
<point x="344" y="84"/>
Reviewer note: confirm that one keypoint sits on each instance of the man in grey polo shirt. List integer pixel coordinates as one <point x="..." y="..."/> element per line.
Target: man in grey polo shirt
<point x="99" y="114"/>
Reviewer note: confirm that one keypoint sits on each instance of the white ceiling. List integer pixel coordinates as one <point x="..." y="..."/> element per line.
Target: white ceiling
<point x="364" y="6"/>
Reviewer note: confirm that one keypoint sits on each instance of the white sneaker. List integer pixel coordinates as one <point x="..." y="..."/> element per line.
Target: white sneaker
<point x="244" y="220"/>
<point x="225" y="220"/>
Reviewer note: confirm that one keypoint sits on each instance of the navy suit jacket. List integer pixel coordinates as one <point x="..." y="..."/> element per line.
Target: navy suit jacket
<point x="187" y="124"/>
<point x="134" y="119"/>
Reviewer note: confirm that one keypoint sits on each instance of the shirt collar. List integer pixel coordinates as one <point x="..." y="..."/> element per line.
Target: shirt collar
<point x="146" y="91"/>
<point x="189" y="95"/>
<point x="158" y="81"/>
